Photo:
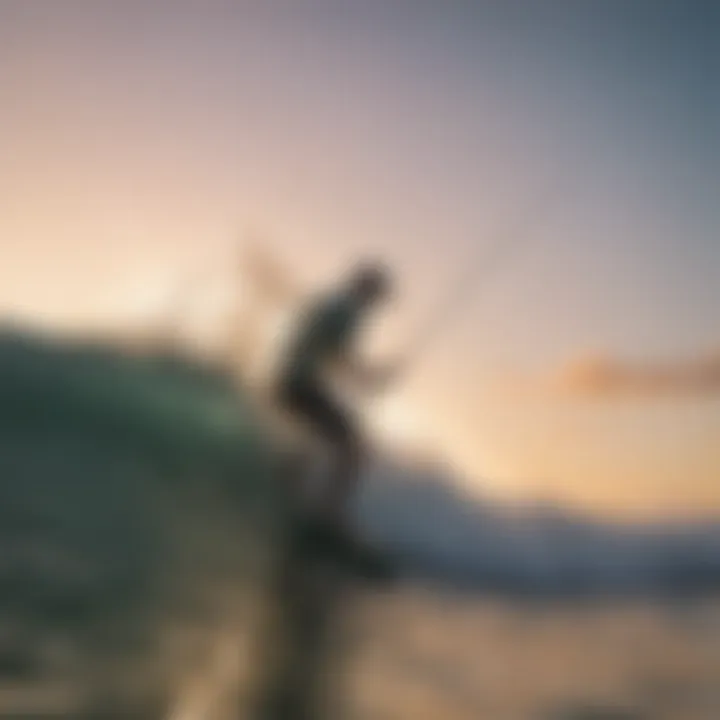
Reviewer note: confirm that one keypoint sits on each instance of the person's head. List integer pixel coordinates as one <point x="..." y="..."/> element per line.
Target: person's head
<point x="371" y="283"/>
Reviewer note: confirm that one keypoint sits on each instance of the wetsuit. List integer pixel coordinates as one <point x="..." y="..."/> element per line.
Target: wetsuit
<point x="323" y="335"/>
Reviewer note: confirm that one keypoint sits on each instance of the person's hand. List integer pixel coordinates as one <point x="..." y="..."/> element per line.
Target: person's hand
<point x="385" y="376"/>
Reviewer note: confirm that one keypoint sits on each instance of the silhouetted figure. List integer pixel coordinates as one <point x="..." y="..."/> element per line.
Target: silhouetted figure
<point x="319" y="558"/>
<point x="324" y="342"/>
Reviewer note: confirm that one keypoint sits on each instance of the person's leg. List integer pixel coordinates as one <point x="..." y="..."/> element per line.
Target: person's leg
<point x="347" y="463"/>
<point x="336" y="428"/>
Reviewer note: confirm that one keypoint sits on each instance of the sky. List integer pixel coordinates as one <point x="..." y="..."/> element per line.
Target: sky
<point x="140" y="138"/>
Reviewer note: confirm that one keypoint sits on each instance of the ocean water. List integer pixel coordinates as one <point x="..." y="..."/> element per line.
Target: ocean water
<point x="428" y="655"/>
<point x="419" y="654"/>
<point x="136" y="548"/>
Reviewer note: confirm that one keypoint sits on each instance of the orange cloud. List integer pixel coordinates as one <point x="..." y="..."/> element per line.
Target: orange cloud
<point x="605" y="377"/>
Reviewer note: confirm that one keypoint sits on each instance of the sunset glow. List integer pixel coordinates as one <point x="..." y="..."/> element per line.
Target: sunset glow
<point x="140" y="139"/>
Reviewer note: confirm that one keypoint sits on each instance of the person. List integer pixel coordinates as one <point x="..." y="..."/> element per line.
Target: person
<point x="323" y="344"/>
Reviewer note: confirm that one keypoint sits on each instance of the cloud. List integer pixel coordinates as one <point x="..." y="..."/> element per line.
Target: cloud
<point x="604" y="376"/>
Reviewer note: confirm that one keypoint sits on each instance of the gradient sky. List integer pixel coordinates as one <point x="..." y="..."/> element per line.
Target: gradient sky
<point x="138" y="138"/>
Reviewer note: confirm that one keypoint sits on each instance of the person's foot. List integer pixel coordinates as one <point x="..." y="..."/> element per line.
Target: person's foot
<point x="339" y="540"/>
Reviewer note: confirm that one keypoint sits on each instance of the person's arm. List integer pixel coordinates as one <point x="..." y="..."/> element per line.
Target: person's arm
<point x="370" y="377"/>
<point x="346" y="361"/>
